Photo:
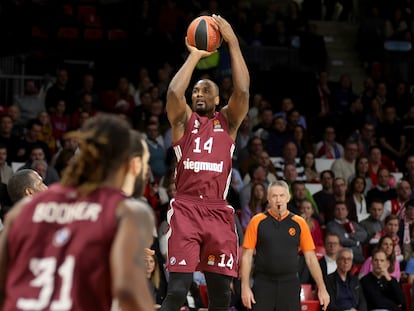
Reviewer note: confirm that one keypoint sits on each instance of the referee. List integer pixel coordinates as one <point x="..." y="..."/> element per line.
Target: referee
<point x="277" y="235"/>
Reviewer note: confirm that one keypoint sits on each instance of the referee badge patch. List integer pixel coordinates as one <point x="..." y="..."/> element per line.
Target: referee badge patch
<point x="292" y="231"/>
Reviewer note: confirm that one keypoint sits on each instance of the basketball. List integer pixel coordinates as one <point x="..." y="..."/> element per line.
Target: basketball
<point x="204" y="34"/>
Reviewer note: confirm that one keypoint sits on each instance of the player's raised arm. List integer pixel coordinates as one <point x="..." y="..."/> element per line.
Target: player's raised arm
<point x="178" y="111"/>
<point x="238" y="104"/>
<point x="133" y="237"/>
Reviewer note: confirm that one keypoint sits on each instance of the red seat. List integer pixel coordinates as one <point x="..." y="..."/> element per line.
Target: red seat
<point x="203" y="294"/>
<point x="68" y="33"/>
<point x="310" y="305"/>
<point x="93" y="34"/>
<point x="406" y="287"/>
<point x="306" y="292"/>
<point x="355" y="269"/>
<point x="117" y="34"/>
<point x="319" y="251"/>
<point x="88" y="16"/>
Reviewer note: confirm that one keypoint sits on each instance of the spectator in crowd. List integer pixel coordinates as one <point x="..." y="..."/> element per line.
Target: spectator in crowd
<point x="252" y="153"/>
<point x="308" y="162"/>
<point x="408" y="172"/>
<point x="60" y="119"/>
<point x="244" y="135"/>
<point x="257" y="204"/>
<point x="375" y="113"/>
<point x="377" y="161"/>
<point x="328" y="147"/>
<point x="356" y="199"/>
<point x="266" y="162"/>
<point x="383" y="190"/>
<point x="373" y="225"/>
<point x="278" y="138"/>
<point x="365" y="138"/>
<point x="406" y="230"/>
<point x="47" y="133"/>
<point x="156" y="283"/>
<point x="302" y="140"/>
<point x="396" y="205"/>
<point x="13" y="143"/>
<point x="290" y="156"/>
<point x="381" y="290"/>
<point x="351" y="233"/>
<point x="286" y="107"/>
<point x="290" y="176"/>
<point x="18" y="126"/>
<point x="325" y="196"/>
<point x="119" y="100"/>
<point x="31" y="139"/>
<point x="340" y="189"/>
<point x="264" y="127"/>
<point x="344" y="288"/>
<point x="345" y="166"/>
<point x="31" y="103"/>
<point x="391" y="136"/>
<point x="60" y="89"/>
<point x="328" y="263"/>
<point x="362" y="170"/>
<point x="391" y="227"/>
<point x="307" y="211"/>
<point x="158" y="161"/>
<point x="37" y="154"/>
<point x="5" y="170"/>
<point x="257" y="174"/>
<point x="385" y="244"/>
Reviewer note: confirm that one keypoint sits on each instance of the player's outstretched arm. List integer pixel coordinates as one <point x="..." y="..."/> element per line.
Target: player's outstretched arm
<point x="238" y="104"/>
<point x="178" y="111"/>
<point x="134" y="235"/>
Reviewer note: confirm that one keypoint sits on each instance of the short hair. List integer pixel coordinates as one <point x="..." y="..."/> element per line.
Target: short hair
<point x="279" y="183"/>
<point x="343" y="250"/>
<point x="19" y="182"/>
<point x="331" y="233"/>
<point x="330" y="172"/>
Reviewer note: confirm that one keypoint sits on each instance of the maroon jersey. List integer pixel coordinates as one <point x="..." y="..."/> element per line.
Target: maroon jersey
<point x="204" y="157"/>
<point x="58" y="251"/>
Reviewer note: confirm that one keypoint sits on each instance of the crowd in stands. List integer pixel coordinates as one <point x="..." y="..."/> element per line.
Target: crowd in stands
<point x="365" y="204"/>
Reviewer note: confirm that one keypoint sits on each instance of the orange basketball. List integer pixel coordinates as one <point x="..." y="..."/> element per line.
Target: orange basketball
<point x="204" y="34"/>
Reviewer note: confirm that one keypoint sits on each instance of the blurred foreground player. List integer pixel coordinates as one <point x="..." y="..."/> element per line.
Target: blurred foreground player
<point x="81" y="243"/>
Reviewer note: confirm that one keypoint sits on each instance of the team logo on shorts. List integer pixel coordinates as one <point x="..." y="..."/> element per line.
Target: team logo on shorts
<point x="292" y="231"/>
<point x="210" y="260"/>
<point x="173" y="260"/>
<point x="61" y="237"/>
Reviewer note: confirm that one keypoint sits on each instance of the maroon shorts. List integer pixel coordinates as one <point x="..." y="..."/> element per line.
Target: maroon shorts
<point x="201" y="236"/>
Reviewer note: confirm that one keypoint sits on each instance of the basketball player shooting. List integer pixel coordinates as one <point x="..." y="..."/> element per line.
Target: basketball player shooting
<point x="202" y="233"/>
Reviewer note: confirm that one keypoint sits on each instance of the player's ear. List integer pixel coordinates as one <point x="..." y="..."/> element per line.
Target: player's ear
<point x="28" y="192"/>
<point x="217" y="100"/>
<point x="135" y="166"/>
